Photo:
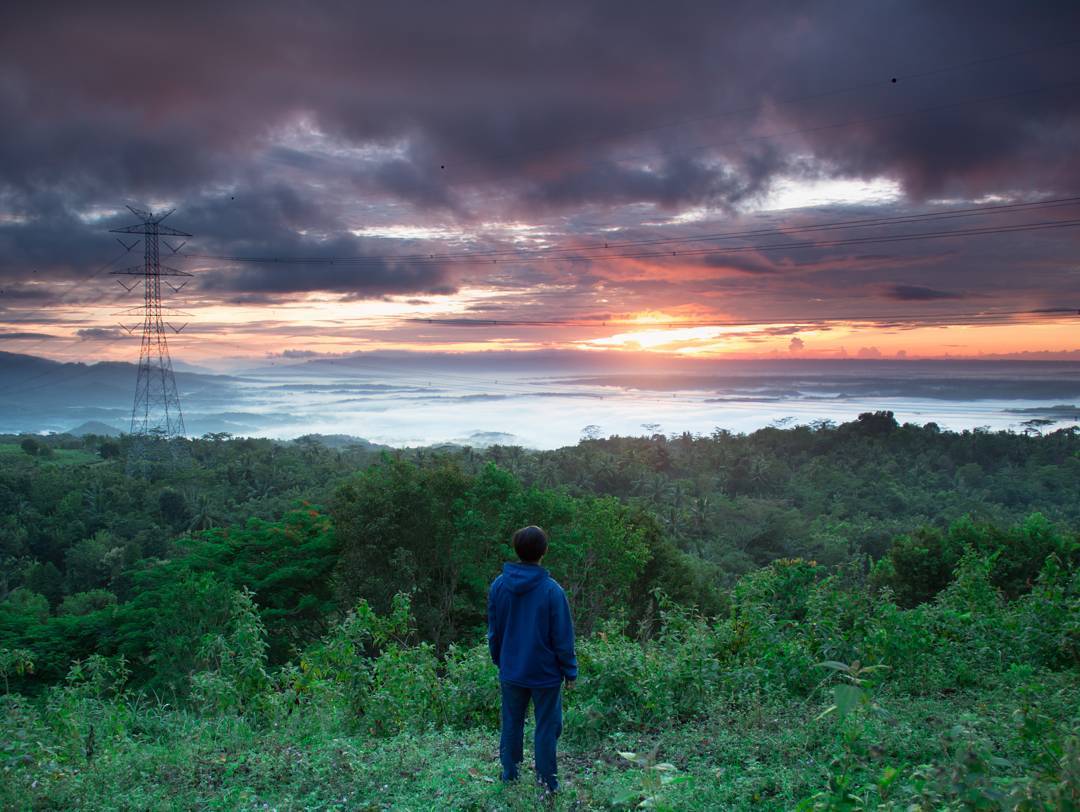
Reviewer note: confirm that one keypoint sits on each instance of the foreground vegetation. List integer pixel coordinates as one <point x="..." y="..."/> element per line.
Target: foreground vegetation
<point x="250" y="625"/>
<point x="810" y="690"/>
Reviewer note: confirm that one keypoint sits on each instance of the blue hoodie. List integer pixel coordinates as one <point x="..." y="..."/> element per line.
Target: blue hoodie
<point x="530" y="633"/>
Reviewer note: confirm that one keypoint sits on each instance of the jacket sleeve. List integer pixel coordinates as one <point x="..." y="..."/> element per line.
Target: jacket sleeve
<point x="562" y="633"/>
<point x="493" y="634"/>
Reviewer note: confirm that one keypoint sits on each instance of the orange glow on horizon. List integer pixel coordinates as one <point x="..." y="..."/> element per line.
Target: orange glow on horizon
<point x="335" y="324"/>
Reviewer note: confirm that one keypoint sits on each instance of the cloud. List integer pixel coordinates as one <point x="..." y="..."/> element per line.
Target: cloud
<point x="601" y="118"/>
<point x="796" y="344"/>
<point x="571" y="107"/>
<point x="868" y="352"/>
<point x="17" y="336"/>
<point x="100" y="333"/>
<point x="917" y="293"/>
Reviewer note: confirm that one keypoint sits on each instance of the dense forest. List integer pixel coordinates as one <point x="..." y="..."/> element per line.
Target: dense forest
<point x="855" y="616"/>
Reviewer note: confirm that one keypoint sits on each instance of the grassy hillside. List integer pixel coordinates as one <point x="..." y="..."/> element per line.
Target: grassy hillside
<point x="969" y="703"/>
<point x="255" y="625"/>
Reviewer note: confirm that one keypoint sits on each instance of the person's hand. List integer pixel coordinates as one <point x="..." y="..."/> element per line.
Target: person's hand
<point x="570" y="683"/>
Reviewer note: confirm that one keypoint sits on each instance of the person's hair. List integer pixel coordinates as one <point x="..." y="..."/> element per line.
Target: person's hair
<point x="530" y="543"/>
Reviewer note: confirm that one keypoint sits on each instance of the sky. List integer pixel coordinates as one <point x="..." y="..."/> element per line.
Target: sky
<point x="437" y="165"/>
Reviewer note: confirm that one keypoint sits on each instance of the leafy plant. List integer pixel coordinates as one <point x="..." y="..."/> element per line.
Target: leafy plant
<point x="653" y="778"/>
<point x="15" y="662"/>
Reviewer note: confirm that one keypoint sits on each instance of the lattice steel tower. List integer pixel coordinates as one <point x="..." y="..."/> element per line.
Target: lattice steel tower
<point x="157" y="403"/>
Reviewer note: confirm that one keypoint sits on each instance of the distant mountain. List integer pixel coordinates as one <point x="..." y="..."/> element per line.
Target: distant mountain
<point x="644" y="365"/>
<point x="184" y="366"/>
<point x="486" y="439"/>
<point x="525" y="398"/>
<point x="38" y="394"/>
<point x="1062" y="411"/>
<point x="94" y="427"/>
<point x="540" y="362"/>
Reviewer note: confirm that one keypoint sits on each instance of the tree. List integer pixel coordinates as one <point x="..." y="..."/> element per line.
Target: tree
<point x="46" y="579"/>
<point x="395" y="525"/>
<point x="174" y="508"/>
<point x="874" y="424"/>
<point x="85" y="564"/>
<point x="83" y="603"/>
<point x="203" y="515"/>
<point x="591" y="432"/>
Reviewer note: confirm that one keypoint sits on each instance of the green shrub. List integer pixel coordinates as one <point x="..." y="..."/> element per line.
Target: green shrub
<point x="234" y="676"/>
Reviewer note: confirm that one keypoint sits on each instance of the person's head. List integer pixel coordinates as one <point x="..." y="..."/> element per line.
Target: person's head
<point x="530" y="544"/>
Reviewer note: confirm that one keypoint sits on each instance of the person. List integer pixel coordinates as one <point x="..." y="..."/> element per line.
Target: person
<point x="531" y="638"/>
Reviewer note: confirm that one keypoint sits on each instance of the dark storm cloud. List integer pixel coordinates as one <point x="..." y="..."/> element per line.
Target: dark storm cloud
<point x="47" y="241"/>
<point x="744" y="263"/>
<point x="917" y="293"/>
<point x="278" y="129"/>
<point x="16" y="336"/>
<point x="100" y="333"/>
<point x="280" y="223"/>
<point x="675" y="181"/>
<point x="361" y="281"/>
<point x="493" y="87"/>
<point x="19" y="293"/>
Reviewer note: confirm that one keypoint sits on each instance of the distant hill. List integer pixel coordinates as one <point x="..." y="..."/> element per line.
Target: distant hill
<point x="339" y="441"/>
<point x="1062" y="411"/>
<point x="38" y="394"/>
<point x="94" y="427"/>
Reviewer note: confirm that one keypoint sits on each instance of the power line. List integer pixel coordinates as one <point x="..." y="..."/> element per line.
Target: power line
<point x="77" y="285"/>
<point x="582" y="257"/>
<point x="607" y="246"/>
<point x="982" y="316"/>
<point x="842" y="224"/>
<point x="809" y="323"/>
<point x="926" y="235"/>
<point x="84" y="370"/>
<point x="888" y="116"/>
<point x="819" y="244"/>
<point x="549" y="254"/>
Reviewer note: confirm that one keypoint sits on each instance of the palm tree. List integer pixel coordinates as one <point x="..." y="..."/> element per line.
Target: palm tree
<point x="203" y="515"/>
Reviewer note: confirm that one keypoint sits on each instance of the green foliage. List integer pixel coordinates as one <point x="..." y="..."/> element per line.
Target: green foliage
<point x="655" y="777"/>
<point x="285" y="564"/>
<point x="163" y="629"/>
<point x="676" y="706"/>
<point x="85" y="603"/>
<point x="236" y="646"/>
<point x="97" y="677"/>
<point x="919" y="565"/>
<point x="23" y="607"/>
<point x="441" y="535"/>
<point x="234" y="659"/>
<point x="14" y="663"/>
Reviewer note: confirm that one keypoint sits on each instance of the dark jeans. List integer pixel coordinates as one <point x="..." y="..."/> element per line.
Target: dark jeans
<point x="547" y="704"/>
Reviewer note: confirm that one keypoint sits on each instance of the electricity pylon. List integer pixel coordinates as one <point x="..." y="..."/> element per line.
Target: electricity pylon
<point x="157" y="403"/>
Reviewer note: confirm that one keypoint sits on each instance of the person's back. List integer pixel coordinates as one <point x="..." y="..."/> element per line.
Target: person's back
<point x="531" y="638"/>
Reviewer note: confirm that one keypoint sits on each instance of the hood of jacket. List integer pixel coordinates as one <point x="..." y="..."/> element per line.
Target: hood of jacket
<point x="521" y="578"/>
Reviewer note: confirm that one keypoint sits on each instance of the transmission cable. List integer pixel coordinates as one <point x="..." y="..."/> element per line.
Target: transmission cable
<point x="511" y="254"/>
